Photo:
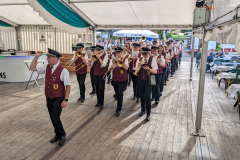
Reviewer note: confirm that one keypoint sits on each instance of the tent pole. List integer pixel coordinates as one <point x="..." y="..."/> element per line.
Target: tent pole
<point x="94" y="37"/>
<point x="198" y="131"/>
<point x="17" y="39"/>
<point x="192" y="52"/>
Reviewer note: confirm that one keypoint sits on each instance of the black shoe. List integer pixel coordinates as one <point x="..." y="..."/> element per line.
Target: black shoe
<point x="54" y="139"/>
<point x="97" y="105"/>
<point x="152" y="99"/>
<point x="79" y="99"/>
<point x="156" y="102"/>
<point x="171" y="76"/>
<point x="134" y="97"/>
<point x="118" y="113"/>
<point x="141" y="113"/>
<point x="160" y="94"/>
<point x="93" y="92"/>
<point x="82" y="99"/>
<point x="61" y="140"/>
<point x="167" y="79"/>
<point x="114" y="95"/>
<point x="100" y="106"/>
<point x="137" y="100"/>
<point x="148" y="118"/>
<point x="165" y="84"/>
<point x="108" y="82"/>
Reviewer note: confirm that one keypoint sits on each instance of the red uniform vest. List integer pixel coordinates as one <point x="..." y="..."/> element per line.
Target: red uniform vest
<point x="132" y="64"/>
<point x="119" y="73"/>
<point x="94" y="64"/>
<point x="99" y="70"/>
<point x="83" y="70"/>
<point x="54" y="87"/>
<point x="143" y="74"/>
<point x="159" y="67"/>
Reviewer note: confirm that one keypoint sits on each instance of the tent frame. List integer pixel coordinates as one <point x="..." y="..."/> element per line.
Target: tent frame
<point x="196" y="130"/>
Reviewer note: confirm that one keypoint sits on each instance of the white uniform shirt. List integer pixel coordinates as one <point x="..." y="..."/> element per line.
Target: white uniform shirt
<point x="135" y="53"/>
<point x="153" y="64"/>
<point x="64" y="76"/>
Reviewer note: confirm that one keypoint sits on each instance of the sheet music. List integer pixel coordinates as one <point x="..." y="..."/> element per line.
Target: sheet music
<point x="135" y="53"/>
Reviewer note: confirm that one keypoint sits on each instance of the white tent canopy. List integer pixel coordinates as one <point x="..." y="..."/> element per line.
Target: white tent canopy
<point x="154" y="14"/>
<point x="140" y="14"/>
<point x="135" y="33"/>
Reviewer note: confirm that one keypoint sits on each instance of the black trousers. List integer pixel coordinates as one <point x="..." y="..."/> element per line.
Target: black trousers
<point x="163" y="79"/>
<point x="129" y="77"/>
<point x="176" y="63"/>
<point x="119" y="88"/>
<point x="156" y="88"/>
<point x="135" y="85"/>
<point x="144" y="89"/>
<point x="172" y="66"/>
<point x="100" y="85"/>
<point x="168" y="71"/>
<point x="179" y="58"/>
<point x="81" y="82"/>
<point x="92" y="81"/>
<point x="55" y="110"/>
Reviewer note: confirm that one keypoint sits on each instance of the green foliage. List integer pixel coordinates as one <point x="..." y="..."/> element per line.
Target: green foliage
<point x="98" y="36"/>
<point x="218" y="48"/>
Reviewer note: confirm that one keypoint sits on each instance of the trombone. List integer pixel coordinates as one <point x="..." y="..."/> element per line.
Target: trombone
<point x="79" y="54"/>
<point x="105" y="77"/>
<point x="139" y="67"/>
<point x="95" y="57"/>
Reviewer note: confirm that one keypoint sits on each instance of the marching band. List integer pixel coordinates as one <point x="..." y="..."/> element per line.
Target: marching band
<point x="141" y="65"/>
<point x="148" y="69"/>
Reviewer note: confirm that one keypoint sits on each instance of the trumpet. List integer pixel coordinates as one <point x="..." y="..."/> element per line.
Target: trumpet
<point x="70" y="62"/>
<point x="105" y="77"/>
<point x="130" y="59"/>
<point x="139" y="67"/>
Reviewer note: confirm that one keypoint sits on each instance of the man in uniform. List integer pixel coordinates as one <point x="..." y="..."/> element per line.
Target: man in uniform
<point x="99" y="71"/>
<point x="158" y="76"/>
<point x="132" y="67"/>
<point x="92" y="65"/>
<point x="57" y="89"/>
<point x="144" y="88"/>
<point x="81" y="70"/>
<point x="119" y="77"/>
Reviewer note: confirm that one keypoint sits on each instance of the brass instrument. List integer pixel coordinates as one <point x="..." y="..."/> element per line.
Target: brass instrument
<point x="143" y="38"/>
<point x="105" y="77"/>
<point x="121" y="63"/>
<point x="139" y="67"/>
<point x="79" y="54"/>
<point x="95" y="57"/>
<point x="130" y="59"/>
